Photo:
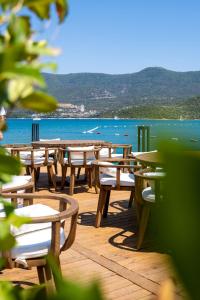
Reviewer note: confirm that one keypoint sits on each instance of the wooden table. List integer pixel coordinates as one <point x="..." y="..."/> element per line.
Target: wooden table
<point x="69" y="143"/>
<point x="153" y="159"/>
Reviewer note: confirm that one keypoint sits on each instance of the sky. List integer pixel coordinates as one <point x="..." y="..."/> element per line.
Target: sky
<point x="126" y="36"/>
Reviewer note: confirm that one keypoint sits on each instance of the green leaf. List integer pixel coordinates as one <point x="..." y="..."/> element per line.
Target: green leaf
<point x="26" y="73"/>
<point x="18" y="221"/>
<point x="7" y="240"/>
<point x="8" y="207"/>
<point x="40" y="7"/>
<point x="9" y="166"/>
<point x="62" y="9"/>
<point x="39" y="101"/>
<point x="19" y="88"/>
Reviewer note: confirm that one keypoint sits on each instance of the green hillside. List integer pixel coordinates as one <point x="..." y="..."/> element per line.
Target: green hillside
<point x="105" y="92"/>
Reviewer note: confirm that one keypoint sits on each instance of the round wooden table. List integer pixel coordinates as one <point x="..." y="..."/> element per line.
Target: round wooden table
<point x="153" y="159"/>
<point x="69" y="143"/>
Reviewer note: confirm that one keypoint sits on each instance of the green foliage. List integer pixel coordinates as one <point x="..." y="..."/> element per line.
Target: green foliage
<point x="178" y="214"/>
<point x="138" y="93"/>
<point x="20" y="54"/>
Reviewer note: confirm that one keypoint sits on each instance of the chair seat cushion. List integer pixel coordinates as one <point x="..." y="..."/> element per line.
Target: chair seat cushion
<point x="79" y="162"/>
<point x="27" y="154"/>
<point x="36" y="161"/>
<point x="135" y="153"/>
<point x="117" y="155"/>
<point x="35" y="210"/>
<point x="148" y="194"/>
<point x="34" y="240"/>
<point x="35" y="244"/>
<point x="107" y="170"/>
<point x="126" y="179"/>
<point x="104" y="152"/>
<point x="17" y="181"/>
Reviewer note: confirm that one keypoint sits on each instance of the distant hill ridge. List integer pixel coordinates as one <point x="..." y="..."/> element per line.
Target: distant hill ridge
<point x="105" y="91"/>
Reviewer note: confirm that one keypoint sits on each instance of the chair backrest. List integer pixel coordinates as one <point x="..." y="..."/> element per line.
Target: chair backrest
<point x="148" y="177"/>
<point x="113" y="168"/>
<point x="107" y="151"/>
<point x="67" y="209"/>
<point x="30" y="156"/>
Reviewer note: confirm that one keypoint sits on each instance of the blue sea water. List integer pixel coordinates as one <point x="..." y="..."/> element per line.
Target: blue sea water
<point x="116" y="131"/>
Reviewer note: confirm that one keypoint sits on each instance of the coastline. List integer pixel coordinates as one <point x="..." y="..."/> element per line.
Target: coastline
<point x="114" y="119"/>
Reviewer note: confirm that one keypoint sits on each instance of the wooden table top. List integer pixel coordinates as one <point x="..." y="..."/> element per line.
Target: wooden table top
<point x="153" y="159"/>
<point x="71" y="143"/>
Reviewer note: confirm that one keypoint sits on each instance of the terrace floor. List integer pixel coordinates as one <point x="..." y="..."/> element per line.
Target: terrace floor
<point x="107" y="253"/>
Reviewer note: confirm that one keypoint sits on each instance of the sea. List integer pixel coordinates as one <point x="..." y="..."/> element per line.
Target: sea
<point x="123" y="131"/>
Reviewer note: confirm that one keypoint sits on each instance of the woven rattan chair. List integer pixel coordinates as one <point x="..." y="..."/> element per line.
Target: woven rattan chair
<point x="44" y="234"/>
<point x="109" y="176"/>
<point x="148" y="189"/>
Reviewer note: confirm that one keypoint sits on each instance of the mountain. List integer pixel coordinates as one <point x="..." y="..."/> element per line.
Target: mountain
<point x="104" y="92"/>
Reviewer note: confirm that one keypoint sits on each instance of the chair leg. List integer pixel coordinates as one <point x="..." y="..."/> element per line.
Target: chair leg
<point x="41" y="275"/>
<point x="72" y="180"/>
<point x="130" y="203"/>
<point x="105" y="211"/>
<point x="78" y="173"/>
<point x="90" y="178"/>
<point x="100" y="207"/>
<point x="48" y="279"/>
<point x="143" y="225"/>
<point x="55" y="166"/>
<point x="51" y="175"/>
<point x="64" y="173"/>
<point x="55" y="277"/>
<point x="96" y="189"/>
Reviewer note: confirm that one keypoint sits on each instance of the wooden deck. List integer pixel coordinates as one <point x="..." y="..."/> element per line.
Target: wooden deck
<point x="107" y="253"/>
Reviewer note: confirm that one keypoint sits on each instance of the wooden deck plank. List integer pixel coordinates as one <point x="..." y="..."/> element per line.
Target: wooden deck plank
<point x="106" y="253"/>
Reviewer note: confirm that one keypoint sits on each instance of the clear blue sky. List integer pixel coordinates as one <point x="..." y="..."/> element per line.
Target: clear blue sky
<point x="125" y="36"/>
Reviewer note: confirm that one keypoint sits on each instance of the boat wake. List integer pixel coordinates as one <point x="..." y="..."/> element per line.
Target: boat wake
<point x="91" y="130"/>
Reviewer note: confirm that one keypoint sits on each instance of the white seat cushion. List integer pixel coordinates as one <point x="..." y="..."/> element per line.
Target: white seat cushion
<point x="117" y="155"/>
<point x="33" y="240"/>
<point x="27" y="154"/>
<point x="126" y="179"/>
<point x="17" y="181"/>
<point x="148" y="194"/>
<point x="78" y="162"/>
<point x="107" y="170"/>
<point x="36" y="161"/>
<point x="77" y="153"/>
<point x="34" y="244"/>
<point x="135" y="153"/>
<point x="35" y="210"/>
<point x="104" y="152"/>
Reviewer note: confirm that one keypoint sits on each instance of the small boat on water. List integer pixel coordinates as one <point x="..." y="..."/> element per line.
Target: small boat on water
<point x="36" y="119"/>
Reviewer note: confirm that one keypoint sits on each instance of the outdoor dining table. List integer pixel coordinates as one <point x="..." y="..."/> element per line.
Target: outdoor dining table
<point x="152" y="159"/>
<point x="69" y="143"/>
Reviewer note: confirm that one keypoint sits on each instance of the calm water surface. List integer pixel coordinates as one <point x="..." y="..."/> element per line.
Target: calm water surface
<point x="116" y="131"/>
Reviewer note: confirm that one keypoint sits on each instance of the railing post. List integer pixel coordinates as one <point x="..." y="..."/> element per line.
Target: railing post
<point x="35" y="132"/>
<point x="143" y="138"/>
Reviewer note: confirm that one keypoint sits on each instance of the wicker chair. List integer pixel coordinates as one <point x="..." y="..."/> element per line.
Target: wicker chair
<point x="44" y="234"/>
<point x="109" y="177"/>
<point x="148" y="189"/>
